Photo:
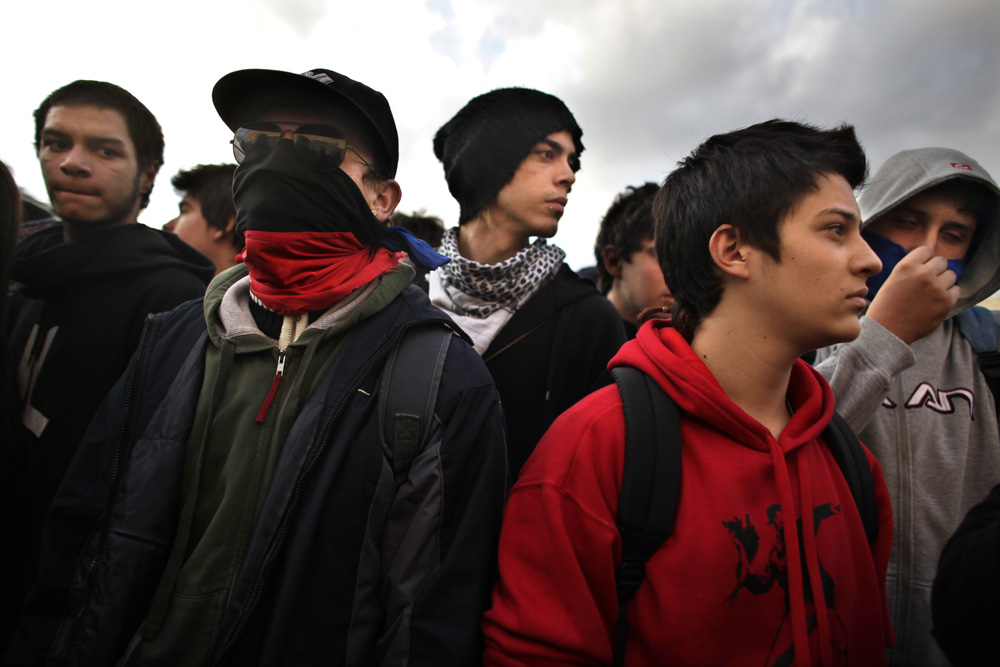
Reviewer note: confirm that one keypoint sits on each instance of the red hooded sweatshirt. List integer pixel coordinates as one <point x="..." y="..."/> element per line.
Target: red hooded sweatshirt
<point x="730" y="586"/>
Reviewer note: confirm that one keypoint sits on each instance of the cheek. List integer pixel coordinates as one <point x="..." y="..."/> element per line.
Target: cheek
<point x="357" y="174"/>
<point x="188" y="230"/>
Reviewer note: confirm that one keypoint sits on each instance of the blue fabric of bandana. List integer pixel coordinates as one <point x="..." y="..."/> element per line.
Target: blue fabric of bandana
<point x="891" y="253"/>
<point x="421" y="253"/>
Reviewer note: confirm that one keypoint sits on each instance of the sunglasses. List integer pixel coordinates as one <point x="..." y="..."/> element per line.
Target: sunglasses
<point x="320" y="146"/>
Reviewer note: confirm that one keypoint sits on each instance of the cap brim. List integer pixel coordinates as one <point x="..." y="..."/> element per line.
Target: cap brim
<point x="239" y="96"/>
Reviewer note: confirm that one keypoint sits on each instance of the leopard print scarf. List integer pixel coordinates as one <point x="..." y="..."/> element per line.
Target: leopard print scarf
<point x="495" y="286"/>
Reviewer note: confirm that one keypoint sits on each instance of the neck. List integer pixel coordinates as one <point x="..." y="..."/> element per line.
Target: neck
<point x="479" y="241"/>
<point x="750" y="362"/>
<point x="618" y="301"/>
<point x="74" y="231"/>
<point x="224" y="258"/>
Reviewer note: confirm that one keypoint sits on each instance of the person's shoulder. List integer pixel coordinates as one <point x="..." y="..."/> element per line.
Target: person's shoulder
<point x="570" y="290"/>
<point x="590" y="435"/>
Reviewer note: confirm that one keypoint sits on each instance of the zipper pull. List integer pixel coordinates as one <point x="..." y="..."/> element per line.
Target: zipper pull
<point x="274" y="387"/>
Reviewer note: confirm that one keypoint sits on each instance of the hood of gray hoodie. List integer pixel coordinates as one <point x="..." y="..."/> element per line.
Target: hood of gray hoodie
<point x="910" y="172"/>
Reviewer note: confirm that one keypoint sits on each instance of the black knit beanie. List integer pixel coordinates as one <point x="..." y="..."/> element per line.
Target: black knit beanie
<point x="485" y="142"/>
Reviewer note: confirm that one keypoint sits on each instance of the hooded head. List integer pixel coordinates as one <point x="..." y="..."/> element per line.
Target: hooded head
<point x="911" y="172"/>
<point x="485" y="142"/>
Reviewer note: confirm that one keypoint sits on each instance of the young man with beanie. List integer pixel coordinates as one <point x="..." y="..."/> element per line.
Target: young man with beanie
<point x="769" y="561"/>
<point x="87" y="285"/>
<point x="510" y="157"/>
<point x="249" y="508"/>
<point x="912" y="385"/>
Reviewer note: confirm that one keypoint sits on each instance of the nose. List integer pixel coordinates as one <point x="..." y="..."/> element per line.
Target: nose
<point x="169" y="227"/>
<point x="867" y="262"/>
<point x="933" y="240"/>
<point x="567" y="176"/>
<point x="75" y="162"/>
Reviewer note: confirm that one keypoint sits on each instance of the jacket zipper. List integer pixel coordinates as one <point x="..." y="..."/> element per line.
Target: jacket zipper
<point x="257" y="587"/>
<point x="278" y="374"/>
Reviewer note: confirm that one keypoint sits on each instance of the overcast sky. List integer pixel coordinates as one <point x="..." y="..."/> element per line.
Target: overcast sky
<point x="646" y="79"/>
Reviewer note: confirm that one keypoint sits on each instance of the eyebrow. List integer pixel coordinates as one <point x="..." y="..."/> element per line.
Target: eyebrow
<point x="842" y="212"/>
<point x="961" y="223"/>
<point x="555" y="145"/>
<point x="59" y="134"/>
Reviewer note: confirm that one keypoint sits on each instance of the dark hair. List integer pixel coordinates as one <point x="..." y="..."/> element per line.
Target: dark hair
<point x="428" y="228"/>
<point x="625" y="226"/>
<point x="143" y="128"/>
<point x="212" y="186"/>
<point x="751" y="179"/>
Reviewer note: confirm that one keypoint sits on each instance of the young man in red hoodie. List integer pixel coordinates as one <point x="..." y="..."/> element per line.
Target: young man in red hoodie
<point x="757" y="233"/>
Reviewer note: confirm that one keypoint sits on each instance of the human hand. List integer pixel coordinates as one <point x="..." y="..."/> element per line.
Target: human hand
<point x="917" y="296"/>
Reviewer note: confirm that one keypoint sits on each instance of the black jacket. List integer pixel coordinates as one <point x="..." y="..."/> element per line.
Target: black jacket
<point x="552" y="352"/>
<point x="323" y="579"/>
<point x="73" y="325"/>
<point x="966" y="597"/>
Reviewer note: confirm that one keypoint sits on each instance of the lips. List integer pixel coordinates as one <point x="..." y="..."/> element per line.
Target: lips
<point x="79" y="193"/>
<point x="557" y="204"/>
<point x="858" y="297"/>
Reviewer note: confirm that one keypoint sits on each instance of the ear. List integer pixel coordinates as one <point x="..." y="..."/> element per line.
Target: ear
<point x="612" y="261"/>
<point x="729" y="252"/>
<point x="386" y="200"/>
<point x="229" y="230"/>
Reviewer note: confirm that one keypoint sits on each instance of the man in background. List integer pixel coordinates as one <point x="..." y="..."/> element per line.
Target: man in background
<point x="510" y="157"/>
<point x="911" y="385"/>
<point x="207" y="219"/>
<point x="629" y="274"/>
<point x="86" y="288"/>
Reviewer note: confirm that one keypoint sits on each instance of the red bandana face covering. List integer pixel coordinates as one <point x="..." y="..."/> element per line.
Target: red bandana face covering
<point x="293" y="273"/>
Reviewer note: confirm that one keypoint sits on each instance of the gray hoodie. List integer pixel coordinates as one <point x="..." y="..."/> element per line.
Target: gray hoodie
<point x="924" y="410"/>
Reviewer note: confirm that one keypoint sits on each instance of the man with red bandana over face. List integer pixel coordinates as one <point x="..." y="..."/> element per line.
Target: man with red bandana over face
<point x="272" y="528"/>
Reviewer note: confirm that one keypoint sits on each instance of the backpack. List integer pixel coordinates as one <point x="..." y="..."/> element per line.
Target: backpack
<point x="651" y="481"/>
<point x="979" y="326"/>
<point x="410" y="380"/>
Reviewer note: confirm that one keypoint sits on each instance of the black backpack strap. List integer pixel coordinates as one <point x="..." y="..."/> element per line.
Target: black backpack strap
<point x="979" y="326"/>
<point x="410" y="381"/>
<point x="851" y="459"/>
<point x="651" y="484"/>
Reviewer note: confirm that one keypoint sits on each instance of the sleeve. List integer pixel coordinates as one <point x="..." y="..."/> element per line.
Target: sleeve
<point x="555" y="602"/>
<point x="68" y="540"/>
<point x="965" y="600"/>
<point x="440" y="542"/>
<point x="859" y="372"/>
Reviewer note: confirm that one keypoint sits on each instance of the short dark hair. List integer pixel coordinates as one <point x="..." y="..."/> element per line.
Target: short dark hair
<point x="628" y="222"/>
<point x="751" y="179"/>
<point x="212" y="186"/>
<point x="143" y="128"/>
<point x="428" y="228"/>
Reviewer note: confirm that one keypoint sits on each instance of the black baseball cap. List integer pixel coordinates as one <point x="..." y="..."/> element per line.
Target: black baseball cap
<point x="239" y="96"/>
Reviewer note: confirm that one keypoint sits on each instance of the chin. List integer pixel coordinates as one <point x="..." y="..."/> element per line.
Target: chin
<point x="844" y="334"/>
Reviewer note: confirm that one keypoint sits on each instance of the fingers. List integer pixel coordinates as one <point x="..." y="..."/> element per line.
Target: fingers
<point x="917" y="296"/>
